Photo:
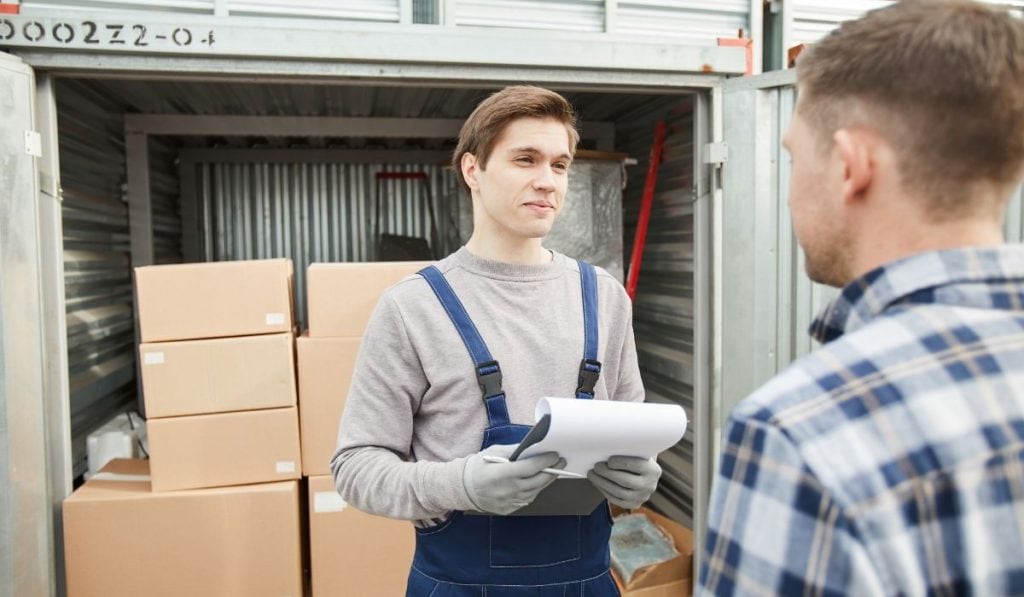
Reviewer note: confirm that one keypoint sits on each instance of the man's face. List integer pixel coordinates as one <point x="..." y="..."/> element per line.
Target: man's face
<point x="521" y="190"/>
<point x="815" y="197"/>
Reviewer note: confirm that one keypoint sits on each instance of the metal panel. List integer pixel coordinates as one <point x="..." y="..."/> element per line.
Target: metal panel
<point x="26" y="530"/>
<point x="55" y="352"/>
<point x="768" y="301"/>
<point x="807" y="21"/>
<point x="310" y="213"/>
<point x="97" y="262"/>
<point x="337" y="46"/>
<point x="164" y="196"/>
<point x="663" y="311"/>
<point x="565" y="15"/>
<point x="695" y="21"/>
<point x="386" y="11"/>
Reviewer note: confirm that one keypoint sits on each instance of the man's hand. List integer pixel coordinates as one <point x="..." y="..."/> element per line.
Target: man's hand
<point x="626" y="481"/>
<point x="504" y="487"/>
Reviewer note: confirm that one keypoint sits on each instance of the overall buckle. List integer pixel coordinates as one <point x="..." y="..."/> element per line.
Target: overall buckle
<point x="590" y="370"/>
<point x="488" y="375"/>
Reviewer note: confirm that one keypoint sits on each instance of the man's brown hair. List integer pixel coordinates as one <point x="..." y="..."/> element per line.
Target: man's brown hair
<point x="941" y="80"/>
<point x="484" y="126"/>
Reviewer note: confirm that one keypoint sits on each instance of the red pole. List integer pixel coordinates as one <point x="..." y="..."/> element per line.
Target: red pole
<point x="640" y="240"/>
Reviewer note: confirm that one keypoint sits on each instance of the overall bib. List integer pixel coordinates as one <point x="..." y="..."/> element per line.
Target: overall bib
<point x="497" y="556"/>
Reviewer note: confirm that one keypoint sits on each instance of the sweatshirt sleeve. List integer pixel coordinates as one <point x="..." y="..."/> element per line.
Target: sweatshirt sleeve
<point x="373" y="467"/>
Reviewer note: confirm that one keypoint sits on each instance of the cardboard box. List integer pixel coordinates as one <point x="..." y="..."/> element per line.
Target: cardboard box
<point x="196" y="377"/>
<point x="254" y="446"/>
<point x="325" y="373"/>
<point x="341" y="296"/>
<point x="123" y="540"/>
<point x="354" y="553"/>
<point x="211" y="300"/>
<point x="673" y="578"/>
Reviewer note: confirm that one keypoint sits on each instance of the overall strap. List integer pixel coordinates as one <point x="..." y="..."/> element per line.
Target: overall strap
<point x="488" y="372"/>
<point x="590" y="367"/>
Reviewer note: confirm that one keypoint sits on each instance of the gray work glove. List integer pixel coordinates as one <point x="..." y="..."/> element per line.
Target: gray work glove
<point x="504" y="487"/>
<point x="626" y="481"/>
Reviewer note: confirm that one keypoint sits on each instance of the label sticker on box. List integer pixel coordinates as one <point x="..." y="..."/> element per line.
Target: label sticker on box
<point x="153" y="358"/>
<point x="275" y="318"/>
<point x="286" y="466"/>
<point x="328" y="501"/>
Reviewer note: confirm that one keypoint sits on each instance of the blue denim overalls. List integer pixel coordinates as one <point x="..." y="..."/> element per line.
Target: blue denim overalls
<point x="497" y="556"/>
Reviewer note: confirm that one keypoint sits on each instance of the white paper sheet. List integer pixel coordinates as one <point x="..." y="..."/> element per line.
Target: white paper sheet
<point x="586" y="432"/>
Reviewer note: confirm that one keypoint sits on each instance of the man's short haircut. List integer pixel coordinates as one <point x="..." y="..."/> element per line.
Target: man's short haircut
<point x="941" y="80"/>
<point x="484" y="126"/>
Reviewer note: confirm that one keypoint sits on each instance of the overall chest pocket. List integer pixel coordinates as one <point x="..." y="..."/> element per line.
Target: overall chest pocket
<point x="534" y="541"/>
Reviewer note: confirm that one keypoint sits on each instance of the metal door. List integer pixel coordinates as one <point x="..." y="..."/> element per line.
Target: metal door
<point x="26" y="527"/>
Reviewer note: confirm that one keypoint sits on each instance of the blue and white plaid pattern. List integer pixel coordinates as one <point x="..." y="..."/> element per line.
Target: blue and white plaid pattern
<point x="891" y="460"/>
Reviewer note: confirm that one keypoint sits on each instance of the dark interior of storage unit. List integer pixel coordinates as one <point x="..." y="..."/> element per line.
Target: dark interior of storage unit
<point x="292" y="196"/>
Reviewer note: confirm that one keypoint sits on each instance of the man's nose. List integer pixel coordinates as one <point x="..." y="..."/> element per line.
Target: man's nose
<point x="544" y="180"/>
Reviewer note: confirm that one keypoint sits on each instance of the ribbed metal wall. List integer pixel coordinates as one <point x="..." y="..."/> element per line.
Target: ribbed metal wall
<point x="165" y="196"/>
<point x="663" y="309"/>
<point x="564" y="15"/>
<point x="311" y="213"/>
<point x="700" y="21"/>
<point x="810" y="20"/>
<point x="97" y="261"/>
<point x="697" y="20"/>
<point x="356" y="10"/>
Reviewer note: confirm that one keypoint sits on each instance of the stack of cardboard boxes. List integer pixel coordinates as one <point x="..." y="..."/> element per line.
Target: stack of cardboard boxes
<point x="216" y="510"/>
<point x="351" y="553"/>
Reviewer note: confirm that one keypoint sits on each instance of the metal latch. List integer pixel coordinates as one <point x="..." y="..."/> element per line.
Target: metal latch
<point x="33" y="144"/>
<point x="716" y="153"/>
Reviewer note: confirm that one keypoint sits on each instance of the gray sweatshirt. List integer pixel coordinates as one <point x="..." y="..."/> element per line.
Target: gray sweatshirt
<point x="415" y="412"/>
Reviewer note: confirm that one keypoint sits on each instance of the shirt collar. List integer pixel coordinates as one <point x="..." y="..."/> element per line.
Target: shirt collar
<point x="868" y="296"/>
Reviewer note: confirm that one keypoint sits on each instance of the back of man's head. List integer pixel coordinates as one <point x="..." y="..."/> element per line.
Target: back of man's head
<point x="941" y="80"/>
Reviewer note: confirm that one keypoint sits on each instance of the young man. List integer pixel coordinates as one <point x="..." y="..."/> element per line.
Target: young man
<point x="455" y="358"/>
<point x="891" y="460"/>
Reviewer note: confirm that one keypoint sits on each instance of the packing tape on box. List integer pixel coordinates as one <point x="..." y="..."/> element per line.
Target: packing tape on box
<point x="286" y="466"/>
<point x="325" y="502"/>
<point x="118" y="477"/>
<point x="153" y="358"/>
<point x="275" y="318"/>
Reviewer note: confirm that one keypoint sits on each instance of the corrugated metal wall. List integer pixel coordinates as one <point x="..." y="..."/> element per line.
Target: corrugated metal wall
<point x="663" y="308"/>
<point x="565" y="15"/>
<point x="356" y="10"/>
<point x="810" y="20"/>
<point x="165" y="197"/>
<point x="697" y="20"/>
<point x="700" y="21"/>
<point x="97" y="262"/>
<point x="309" y="212"/>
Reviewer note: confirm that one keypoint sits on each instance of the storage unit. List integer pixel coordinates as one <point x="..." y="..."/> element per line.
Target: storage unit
<point x="191" y="142"/>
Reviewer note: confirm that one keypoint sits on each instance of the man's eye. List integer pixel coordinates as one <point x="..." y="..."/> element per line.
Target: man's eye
<point x="524" y="159"/>
<point x="561" y="166"/>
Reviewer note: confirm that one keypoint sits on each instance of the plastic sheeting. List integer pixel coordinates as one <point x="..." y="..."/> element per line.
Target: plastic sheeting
<point x="590" y="225"/>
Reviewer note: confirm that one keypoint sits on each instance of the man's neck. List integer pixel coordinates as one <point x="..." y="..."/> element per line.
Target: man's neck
<point x="520" y="251"/>
<point x="887" y="243"/>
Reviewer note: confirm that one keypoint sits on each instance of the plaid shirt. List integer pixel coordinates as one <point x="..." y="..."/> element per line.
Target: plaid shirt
<point x="891" y="460"/>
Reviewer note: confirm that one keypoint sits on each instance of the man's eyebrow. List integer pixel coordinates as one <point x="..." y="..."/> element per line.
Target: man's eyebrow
<point x="535" y="151"/>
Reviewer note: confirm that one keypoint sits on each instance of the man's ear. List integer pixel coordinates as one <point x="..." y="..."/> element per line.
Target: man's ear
<point x="469" y="167"/>
<point x="856" y="151"/>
